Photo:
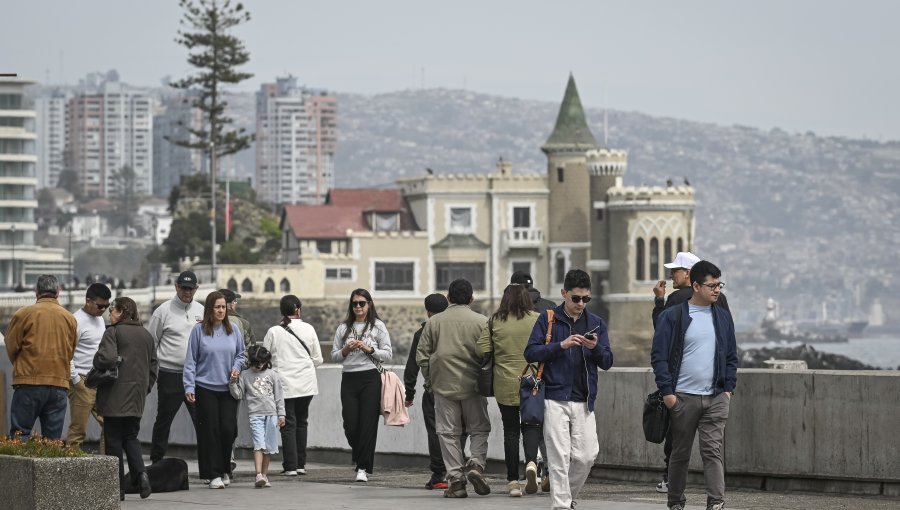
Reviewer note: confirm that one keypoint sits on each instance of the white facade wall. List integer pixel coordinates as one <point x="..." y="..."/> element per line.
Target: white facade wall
<point x="128" y="136"/>
<point x="51" y="123"/>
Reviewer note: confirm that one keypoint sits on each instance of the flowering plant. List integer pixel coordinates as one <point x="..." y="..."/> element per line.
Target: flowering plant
<point x="37" y="446"/>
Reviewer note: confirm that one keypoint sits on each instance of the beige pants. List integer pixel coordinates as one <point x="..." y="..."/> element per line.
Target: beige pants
<point x="570" y="433"/>
<point x="452" y="417"/>
<point x="81" y="405"/>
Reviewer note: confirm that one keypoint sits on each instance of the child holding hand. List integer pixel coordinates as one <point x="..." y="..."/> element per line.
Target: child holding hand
<point x="260" y="387"/>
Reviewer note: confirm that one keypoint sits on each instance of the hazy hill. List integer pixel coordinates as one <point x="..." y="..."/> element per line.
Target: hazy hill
<point x="801" y="218"/>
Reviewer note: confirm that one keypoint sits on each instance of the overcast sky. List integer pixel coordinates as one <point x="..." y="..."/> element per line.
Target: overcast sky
<point x="826" y="66"/>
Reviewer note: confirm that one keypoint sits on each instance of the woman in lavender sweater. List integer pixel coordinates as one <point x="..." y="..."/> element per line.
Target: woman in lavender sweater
<point x="214" y="358"/>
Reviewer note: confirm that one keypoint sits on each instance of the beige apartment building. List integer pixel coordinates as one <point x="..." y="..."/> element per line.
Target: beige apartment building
<point x="404" y="243"/>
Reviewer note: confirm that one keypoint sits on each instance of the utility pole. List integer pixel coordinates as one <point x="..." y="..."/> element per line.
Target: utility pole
<point x="154" y="276"/>
<point x="15" y="276"/>
<point x="71" y="271"/>
<point x="212" y="214"/>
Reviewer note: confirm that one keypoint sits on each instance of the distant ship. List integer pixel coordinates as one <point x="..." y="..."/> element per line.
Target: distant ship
<point x="773" y="329"/>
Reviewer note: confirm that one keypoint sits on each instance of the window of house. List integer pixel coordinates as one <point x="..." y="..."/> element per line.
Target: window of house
<point x="523" y="266"/>
<point x="639" y="273"/>
<point x="386" y="222"/>
<point x="246" y="285"/>
<point x="460" y="219"/>
<point x="560" y="263"/>
<point x="560" y="174"/>
<point x="338" y="273"/>
<point x="654" y="259"/>
<point x="667" y="250"/>
<point x="232" y="285"/>
<point x="394" y="276"/>
<point x="680" y="244"/>
<point x="521" y="217"/>
<point x="599" y="214"/>
<point x="270" y="285"/>
<point x="285" y="285"/>
<point x="323" y="246"/>
<point x="449" y="271"/>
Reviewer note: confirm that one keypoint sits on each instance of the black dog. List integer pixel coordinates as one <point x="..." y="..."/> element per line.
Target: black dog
<point x="166" y="475"/>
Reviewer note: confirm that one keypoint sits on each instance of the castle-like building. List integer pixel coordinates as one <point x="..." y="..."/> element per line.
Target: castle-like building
<point x="407" y="242"/>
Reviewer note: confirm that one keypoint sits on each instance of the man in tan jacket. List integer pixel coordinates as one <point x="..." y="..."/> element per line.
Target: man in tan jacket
<point x="40" y="343"/>
<point x="450" y="362"/>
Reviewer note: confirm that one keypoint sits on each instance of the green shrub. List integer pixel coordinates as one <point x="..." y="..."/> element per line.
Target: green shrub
<point x="37" y="446"/>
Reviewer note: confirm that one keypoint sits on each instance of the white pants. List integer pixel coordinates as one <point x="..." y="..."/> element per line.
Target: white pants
<point x="570" y="432"/>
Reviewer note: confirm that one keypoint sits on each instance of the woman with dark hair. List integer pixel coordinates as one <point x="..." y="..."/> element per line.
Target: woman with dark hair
<point x="295" y="355"/>
<point x="214" y="358"/>
<point x="361" y="343"/>
<point x="506" y="334"/>
<point x="121" y="403"/>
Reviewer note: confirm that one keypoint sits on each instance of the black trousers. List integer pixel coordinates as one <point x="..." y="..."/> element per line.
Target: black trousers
<point x="121" y="434"/>
<point x="531" y="438"/>
<point x="293" y="434"/>
<point x="360" y="408"/>
<point x="667" y="451"/>
<point x="436" y="459"/>
<point x="216" y="431"/>
<point x="170" y="396"/>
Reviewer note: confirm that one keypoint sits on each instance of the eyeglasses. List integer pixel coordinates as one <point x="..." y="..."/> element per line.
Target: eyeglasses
<point x="579" y="299"/>
<point x="359" y="304"/>
<point x="714" y="286"/>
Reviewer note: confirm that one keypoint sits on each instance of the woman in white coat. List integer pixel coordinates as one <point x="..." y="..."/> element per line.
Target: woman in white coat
<point x="295" y="355"/>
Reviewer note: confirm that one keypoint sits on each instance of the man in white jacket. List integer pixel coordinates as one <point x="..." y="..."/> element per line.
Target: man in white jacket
<point x="171" y="325"/>
<point x="295" y="355"/>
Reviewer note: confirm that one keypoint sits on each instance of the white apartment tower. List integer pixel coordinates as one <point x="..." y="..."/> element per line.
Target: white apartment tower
<point x="108" y="131"/>
<point x="51" y="125"/>
<point x="296" y="137"/>
<point x="171" y="161"/>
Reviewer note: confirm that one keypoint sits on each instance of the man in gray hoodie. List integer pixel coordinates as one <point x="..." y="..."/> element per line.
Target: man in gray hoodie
<point x="171" y="325"/>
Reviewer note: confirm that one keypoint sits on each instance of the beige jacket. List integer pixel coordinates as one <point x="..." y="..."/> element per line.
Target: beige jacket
<point x="40" y="343"/>
<point x="448" y="353"/>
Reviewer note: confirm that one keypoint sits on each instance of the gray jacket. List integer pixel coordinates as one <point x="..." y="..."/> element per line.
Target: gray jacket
<point x="262" y="391"/>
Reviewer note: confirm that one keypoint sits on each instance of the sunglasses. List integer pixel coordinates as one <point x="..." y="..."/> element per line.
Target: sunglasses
<point x="101" y="307"/>
<point x="580" y="299"/>
<point x="359" y="304"/>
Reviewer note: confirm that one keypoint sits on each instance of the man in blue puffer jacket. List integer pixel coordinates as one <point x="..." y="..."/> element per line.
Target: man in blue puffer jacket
<point x="579" y="344"/>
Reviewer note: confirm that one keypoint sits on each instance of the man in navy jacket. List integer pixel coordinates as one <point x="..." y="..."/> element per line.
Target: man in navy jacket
<point x="695" y="362"/>
<point x="579" y="345"/>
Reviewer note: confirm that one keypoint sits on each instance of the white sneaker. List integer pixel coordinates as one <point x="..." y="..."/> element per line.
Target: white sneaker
<point x="662" y="487"/>
<point x="216" y="483"/>
<point x="289" y="473"/>
<point x="361" y="475"/>
<point x="531" y="485"/>
<point x="226" y="480"/>
<point x="301" y="471"/>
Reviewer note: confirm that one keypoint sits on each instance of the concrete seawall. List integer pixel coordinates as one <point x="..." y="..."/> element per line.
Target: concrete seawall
<point x="807" y="430"/>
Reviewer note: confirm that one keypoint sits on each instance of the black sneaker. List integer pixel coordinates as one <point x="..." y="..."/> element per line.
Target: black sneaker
<point x="456" y="489"/>
<point x="476" y="478"/>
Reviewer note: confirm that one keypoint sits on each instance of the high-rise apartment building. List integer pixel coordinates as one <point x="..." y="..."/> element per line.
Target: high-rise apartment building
<point x="296" y="137"/>
<point x="20" y="260"/>
<point x="107" y="132"/>
<point x="51" y="125"/>
<point x="171" y="161"/>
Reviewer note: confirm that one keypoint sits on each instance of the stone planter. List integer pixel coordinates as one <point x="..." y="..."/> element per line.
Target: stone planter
<point x="72" y="483"/>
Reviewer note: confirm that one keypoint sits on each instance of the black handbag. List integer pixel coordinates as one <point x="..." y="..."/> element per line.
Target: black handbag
<point x="485" y="382"/>
<point x="97" y="378"/>
<point x="656" y="418"/>
<point x="531" y="386"/>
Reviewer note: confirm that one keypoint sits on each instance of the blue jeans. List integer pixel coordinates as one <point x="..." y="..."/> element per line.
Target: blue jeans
<point x="30" y="402"/>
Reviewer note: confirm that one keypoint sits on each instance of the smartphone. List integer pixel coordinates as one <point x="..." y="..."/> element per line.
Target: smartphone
<point x="590" y="336"/>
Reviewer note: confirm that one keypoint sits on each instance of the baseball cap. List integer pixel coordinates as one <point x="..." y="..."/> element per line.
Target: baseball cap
<point x="187" y="279"/>
<point x="230" y="295"/>
<point x="521" y="278"/>
<point x="683" y="259"/>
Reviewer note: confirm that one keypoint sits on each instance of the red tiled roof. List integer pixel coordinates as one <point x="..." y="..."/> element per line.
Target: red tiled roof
<point x="344" y="210"/>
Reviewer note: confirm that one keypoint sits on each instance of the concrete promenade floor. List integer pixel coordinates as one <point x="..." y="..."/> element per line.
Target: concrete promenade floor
<point x="332" y="486"/>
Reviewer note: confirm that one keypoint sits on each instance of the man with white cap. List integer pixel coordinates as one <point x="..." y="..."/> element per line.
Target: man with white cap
<point x="680" y="272"/>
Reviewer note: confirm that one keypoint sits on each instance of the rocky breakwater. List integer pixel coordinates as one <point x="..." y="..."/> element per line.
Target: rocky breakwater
<point x="817" y="360"/>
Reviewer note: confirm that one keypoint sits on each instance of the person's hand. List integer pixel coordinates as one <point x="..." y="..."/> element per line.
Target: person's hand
<point x="235" y="373"/>
<point x="572" y="341"/>
<point x="408" y="403"/>
<point x="670" y="401"/>
<point x="659" y="290"/>
<point x="729" y="394"/>
<point x="281" y="422"/>
<point x="590" y="340"/>
<point x="190" y="397"/>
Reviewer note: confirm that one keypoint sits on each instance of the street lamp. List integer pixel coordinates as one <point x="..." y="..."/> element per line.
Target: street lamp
<point x="71" y="269"/>
<point x="15" y="277"/>
<point x="155" y="267"/>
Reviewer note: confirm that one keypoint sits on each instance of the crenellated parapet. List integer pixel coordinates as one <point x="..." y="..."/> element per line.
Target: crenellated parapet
<point x="650" y="197"/>
<point x="607" y="162"/>
<point x="443" y="182"/>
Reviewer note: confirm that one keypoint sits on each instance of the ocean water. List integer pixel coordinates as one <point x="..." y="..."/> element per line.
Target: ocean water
<point x="881" y="351"/>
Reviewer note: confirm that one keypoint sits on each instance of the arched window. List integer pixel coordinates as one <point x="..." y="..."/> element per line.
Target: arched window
<point x="668" y="250"/>
<point x="680" y="244"/>
<point x="285" y="285"/>
<point x="270" y="285"/>
<point x="639" y="273"/>
<point x="232" y="285"/>
<point x="246" y="285"/>
<point x="654" y="259"/>
<point x="560" y="267"/>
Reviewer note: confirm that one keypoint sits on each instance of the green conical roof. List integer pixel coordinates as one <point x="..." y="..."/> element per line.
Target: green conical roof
<point x="571" y="131"/>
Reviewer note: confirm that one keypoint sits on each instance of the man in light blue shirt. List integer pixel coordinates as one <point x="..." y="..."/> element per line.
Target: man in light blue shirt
<point x="694" y="359"/>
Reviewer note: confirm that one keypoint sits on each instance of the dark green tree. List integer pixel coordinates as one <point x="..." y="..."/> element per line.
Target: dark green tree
<point x="68" y="180"/>
<point x="126" y="203"/>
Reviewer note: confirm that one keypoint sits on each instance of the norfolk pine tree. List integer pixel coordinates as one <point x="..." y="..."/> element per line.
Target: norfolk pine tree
<point x="216" y="54"/>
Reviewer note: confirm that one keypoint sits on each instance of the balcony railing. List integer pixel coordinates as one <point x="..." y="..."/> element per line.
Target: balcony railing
<point x="523" y="237"/>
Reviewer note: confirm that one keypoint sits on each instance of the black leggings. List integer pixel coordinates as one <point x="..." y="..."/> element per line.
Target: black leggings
<point x="531" y="438"/>
<point x="360" y="408"/>
<point x="121" y="433"/>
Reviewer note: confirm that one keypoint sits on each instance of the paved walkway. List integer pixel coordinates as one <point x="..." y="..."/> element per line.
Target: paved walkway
<point x="330" y="486"/>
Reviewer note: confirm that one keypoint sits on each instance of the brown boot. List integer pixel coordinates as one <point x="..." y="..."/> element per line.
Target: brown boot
<point x="476" y="478"/>
<point x="457" y="489"/>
